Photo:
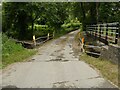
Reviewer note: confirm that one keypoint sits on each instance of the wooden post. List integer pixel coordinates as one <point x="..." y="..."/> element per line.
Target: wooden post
<point x="117" y="34"/>
<point x="111" y="32"/>
<point x="106" y="38"/>
<point x="79" y="34"/>
<point x="53" y="34"/>
<point x="104" y="31"/>
<point x="48" y="36"/>
<point x="92" y="30"/>
<point x="34" y="41"/>
<point x="96" y="31"/>
<point x="100" y="32"/>
<point x="82" y="49"/>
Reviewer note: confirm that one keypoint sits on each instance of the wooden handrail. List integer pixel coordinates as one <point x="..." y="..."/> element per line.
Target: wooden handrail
<point x="109" y="30"/>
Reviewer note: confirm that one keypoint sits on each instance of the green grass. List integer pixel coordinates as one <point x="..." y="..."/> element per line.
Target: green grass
<point x="108" y="69"/>
<point x="17" y="57"/>
<point x="105" y="67"/>
<point x="12" y="52"/>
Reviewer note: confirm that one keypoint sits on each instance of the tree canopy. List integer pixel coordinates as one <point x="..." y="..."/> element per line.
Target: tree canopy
<point x="20" y="18"/>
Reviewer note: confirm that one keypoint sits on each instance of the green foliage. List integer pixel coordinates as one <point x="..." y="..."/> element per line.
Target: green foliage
<point x="67" y="27"/>
<point x="9" y="46"/>
<point x="18" y="17"/>
<point x="96" y="12"/>
<point x="109" y="12"/>
<point x="42" y="30"/>
<point x="71" y="25"/>
<point x="12" y="52"/>
<point x="56" y="14"/>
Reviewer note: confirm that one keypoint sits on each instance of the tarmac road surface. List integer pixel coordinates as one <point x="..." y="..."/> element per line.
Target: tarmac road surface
<point x="54" y="66"/>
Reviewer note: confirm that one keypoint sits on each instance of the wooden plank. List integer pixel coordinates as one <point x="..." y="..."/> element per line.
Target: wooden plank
<point x="92" y="46"/>
<point x="93" y="53"/>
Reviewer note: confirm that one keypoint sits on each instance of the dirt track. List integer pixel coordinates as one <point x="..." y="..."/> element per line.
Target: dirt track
<point x="54" y="66"/>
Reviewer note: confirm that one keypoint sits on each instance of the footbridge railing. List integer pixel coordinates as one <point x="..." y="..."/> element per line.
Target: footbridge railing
<point x="36" y="41"/>
<point x="106" y="32"/>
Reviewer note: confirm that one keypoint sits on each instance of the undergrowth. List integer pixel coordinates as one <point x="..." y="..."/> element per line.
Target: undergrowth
<point x="13" y="52"/>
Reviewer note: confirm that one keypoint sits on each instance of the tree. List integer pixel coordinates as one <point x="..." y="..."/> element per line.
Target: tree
<point x="56" y="14"/>
<point x="109" y="12"/>
<point x="18" y="16"/>
<point x="96" y="12"/>
<point x="15" y="19"/>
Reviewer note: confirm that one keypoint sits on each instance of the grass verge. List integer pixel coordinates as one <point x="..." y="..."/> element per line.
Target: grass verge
<point x="105" y="67"/>
<point x="13" y="52"/>
<point x="17" y="57"/>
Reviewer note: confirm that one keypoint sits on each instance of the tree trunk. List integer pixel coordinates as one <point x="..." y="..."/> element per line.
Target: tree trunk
<point x="93" y="13"/>
<point x="32" y="28"/>
<point x="84" y="17"/>
<point x="97" y="11"/>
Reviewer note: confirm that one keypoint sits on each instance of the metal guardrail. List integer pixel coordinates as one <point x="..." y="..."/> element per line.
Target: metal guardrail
<point x="108" y="32"/>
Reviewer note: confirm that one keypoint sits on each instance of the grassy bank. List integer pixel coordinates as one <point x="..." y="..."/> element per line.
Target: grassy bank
<point x="108" y="69"/>
<point x="105" y="67"/>
<point x="17" y="57"/>
<point x="13" y="52"/>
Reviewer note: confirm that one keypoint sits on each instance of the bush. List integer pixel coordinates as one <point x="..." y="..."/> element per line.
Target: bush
<point x="12" y="52"/>
<point x="71" y="26"/>
<point x="9" y="46"/>
<point x="41" y="30"/>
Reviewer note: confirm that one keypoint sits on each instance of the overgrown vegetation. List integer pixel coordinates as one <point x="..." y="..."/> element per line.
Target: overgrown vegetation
<point x="12" y="52"/>
<point x="23" y="19"/>
<point x="108" y="69"/>
<point x="68" y="26"/>
<point x="105" y="67"/>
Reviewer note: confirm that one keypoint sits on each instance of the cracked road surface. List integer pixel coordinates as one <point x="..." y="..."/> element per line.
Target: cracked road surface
<point x="54" y="66"/>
